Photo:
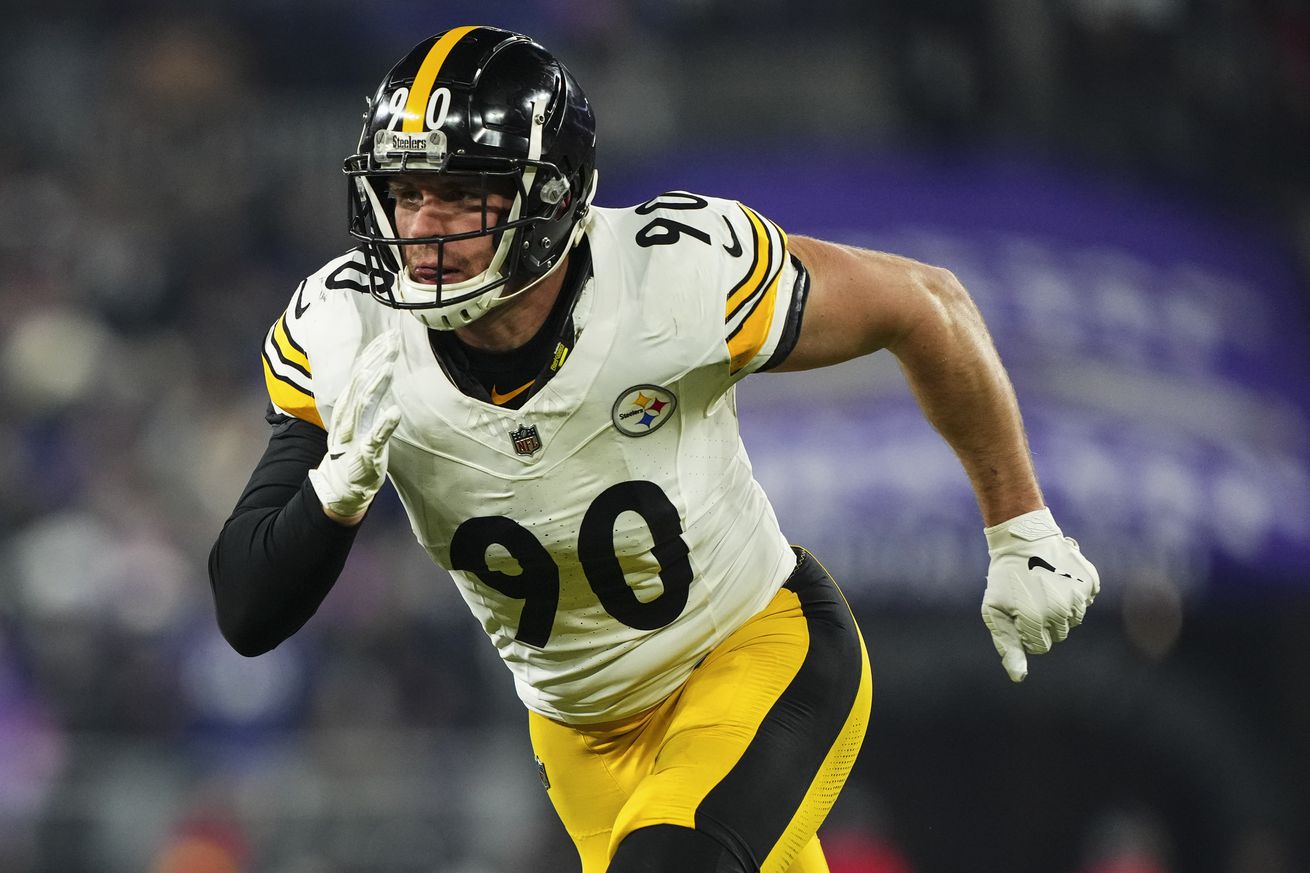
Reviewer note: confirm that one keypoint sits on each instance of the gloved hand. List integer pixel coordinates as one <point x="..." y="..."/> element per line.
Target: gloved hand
<point x="1039" y="586"/>
<point x="352" y="471"/>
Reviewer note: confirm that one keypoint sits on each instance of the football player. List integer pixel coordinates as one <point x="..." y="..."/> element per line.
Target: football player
<point x="549" y="386"/>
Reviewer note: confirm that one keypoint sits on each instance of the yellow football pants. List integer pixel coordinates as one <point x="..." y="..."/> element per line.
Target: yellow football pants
<point x="752" y="750"/>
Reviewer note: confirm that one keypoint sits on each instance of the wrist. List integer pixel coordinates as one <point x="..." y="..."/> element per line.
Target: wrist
<point x="1003" y="505"/>
<point x="1034" y="525"/>
<point x="344" y="520"/>
<point x="341" y="503"/>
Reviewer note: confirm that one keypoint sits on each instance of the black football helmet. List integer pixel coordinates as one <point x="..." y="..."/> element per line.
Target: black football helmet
<point x="498" y="109"/>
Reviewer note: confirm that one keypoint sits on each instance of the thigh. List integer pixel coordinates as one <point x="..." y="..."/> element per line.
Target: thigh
<point x="586" y="786"/>
<point x="765" y="731"/>
<point x="751" y="751"/>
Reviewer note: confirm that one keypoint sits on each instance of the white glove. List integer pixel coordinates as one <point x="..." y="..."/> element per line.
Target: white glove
<point x="352" y="471"/>
<point x="1039" y="586"/>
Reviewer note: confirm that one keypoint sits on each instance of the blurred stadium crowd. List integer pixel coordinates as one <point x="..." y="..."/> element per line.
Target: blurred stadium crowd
<point x="168" y="176"/>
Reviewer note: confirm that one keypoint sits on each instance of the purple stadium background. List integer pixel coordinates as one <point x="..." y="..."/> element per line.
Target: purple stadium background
<point x="1158" y="350"/>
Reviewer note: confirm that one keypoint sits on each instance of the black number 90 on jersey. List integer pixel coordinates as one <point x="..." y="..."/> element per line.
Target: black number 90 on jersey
<point x="538" y="583"/>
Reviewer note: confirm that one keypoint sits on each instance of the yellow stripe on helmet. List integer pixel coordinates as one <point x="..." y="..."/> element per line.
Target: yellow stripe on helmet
<point x="417" y="105"/>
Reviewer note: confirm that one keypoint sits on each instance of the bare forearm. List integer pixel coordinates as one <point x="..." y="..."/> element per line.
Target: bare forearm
<point x="862" y="300"/>
<point x="957" y="377"/>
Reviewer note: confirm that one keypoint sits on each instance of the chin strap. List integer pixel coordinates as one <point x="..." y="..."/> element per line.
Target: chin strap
<point x="534" y="144"/>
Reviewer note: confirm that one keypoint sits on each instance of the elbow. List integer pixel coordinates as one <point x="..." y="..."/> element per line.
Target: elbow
<point x="243" y="619"/>
<point x="947" y="294"/>
<point x="246" y="637"/>
<point x="249" y="645"/>
<point x="239" y="622"/>
<point x="941" y="317"/>
<point x="948" y="310"/>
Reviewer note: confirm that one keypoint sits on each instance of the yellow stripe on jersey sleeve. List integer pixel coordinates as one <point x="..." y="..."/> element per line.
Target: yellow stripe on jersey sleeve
<point x="749" y="338"/>
<point x="289" y="350"/>
<point x="759" y="265"/>
<point x="290" y="398"/>
<point x="288" y="391"/>
<point x="757" y="292"/>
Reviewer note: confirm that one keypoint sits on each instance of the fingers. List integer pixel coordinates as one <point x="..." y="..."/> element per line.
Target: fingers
<point x="371" y="396"/>
<point x="373" y="454"/>
<point x="1005" y="637"/>
<point x="1035" y="634"/>
<point x="1015" y="663"/>
<point x="382" y="431"/>
<point x="342" y="428"/>
<point x="384" y="347"/>
<point x="369" y="383"/>
<point x="1078" y="612"/>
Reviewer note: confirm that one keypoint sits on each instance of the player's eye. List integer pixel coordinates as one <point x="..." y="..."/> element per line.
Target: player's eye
<point x="407" y="194"/>
<point x="461" y="195"/>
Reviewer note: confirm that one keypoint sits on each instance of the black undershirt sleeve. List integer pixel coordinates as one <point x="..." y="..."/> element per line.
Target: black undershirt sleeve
<point x="278" y="554"/>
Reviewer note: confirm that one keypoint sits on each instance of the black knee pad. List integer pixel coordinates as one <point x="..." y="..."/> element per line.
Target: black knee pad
<point x="673" y="849"/>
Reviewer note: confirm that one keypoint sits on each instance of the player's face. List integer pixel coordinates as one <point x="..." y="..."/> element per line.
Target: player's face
<point x="440" y="206"/>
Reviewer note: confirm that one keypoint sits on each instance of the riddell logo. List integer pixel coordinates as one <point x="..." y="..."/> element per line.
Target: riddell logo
<point x="642" y="409"/>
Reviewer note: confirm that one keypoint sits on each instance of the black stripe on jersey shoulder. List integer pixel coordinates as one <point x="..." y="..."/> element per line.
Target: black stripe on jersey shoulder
<point x="755" y="299"/>
<point x="800" y="728"/>
<point x="356" y="261"/>
<point x="286" y="329"/>
<point x="281" y="355"/>
<point x="770" y="269"/>
<point x="755" y="255"/>
<point x="791" y="330"/>
<point x="283" y="379"/>
<point x="298" y="304"/>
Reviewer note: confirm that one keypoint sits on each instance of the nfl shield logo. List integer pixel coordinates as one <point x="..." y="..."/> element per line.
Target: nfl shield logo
<point x="526" y="439"/>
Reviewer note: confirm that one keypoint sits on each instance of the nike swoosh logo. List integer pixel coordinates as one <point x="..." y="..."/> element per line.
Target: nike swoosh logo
<point x="500" y="399"/>
<point x="300" y="299"/>
<point x="735" y="248"/>
<point x="332" y="456"/>
<point x="1035" y="561"/>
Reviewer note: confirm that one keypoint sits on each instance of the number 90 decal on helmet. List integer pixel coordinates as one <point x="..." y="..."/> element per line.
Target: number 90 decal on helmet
<point x="499" y="113"/>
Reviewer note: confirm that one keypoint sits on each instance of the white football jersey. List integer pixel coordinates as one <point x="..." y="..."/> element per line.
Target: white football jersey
<point x="609" y="533"/>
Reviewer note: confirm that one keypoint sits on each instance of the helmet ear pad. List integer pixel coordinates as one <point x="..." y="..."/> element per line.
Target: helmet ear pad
<point x="523" y="75"/>
<point x="548" y="240"/>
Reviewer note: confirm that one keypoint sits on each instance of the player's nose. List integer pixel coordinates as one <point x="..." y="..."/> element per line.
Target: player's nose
<point x="431" y="219"/>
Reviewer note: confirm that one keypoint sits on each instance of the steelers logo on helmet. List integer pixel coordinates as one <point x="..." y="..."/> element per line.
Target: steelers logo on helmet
<point x="413" y="148"/>
<point x="643" y="409"/>
<point x="499" y="114"/>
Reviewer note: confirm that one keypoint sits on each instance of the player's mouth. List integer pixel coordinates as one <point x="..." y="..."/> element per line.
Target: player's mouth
<point x="428" y="274"/>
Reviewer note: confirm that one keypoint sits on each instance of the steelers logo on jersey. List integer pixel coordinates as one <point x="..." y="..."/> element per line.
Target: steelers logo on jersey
<point x="642" y="409"/>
